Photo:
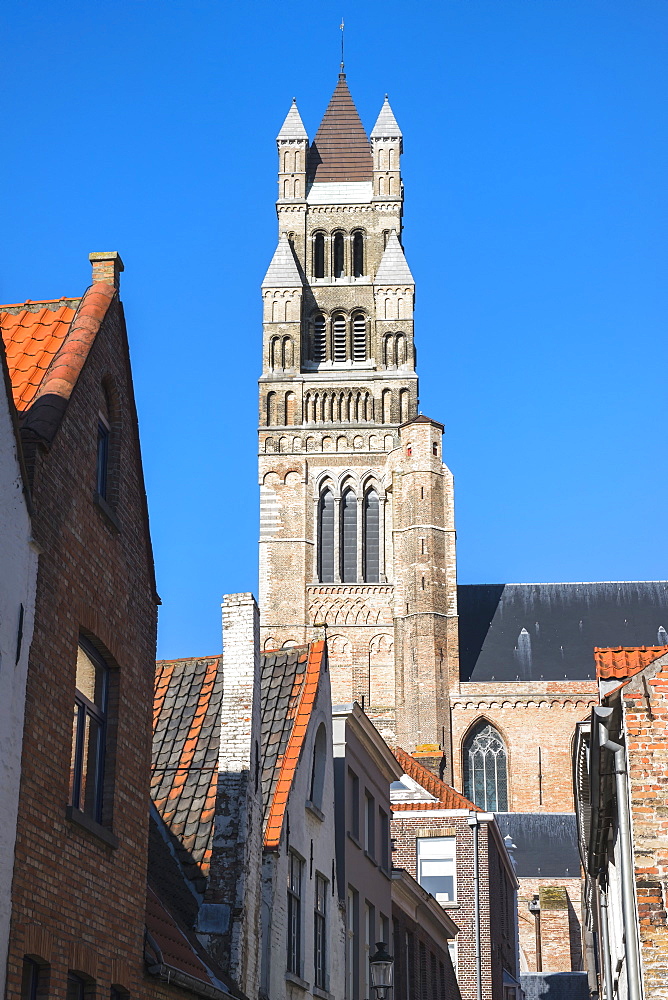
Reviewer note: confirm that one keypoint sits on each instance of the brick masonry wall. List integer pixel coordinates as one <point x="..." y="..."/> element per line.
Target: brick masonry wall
<point x="645" y="706"/>
<point x="496" y="919"/>
<point x="79" y="903"/>
<point x="567" y="946"/>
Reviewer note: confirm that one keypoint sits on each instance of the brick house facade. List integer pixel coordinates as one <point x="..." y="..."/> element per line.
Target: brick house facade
<point x="79" y="883"/>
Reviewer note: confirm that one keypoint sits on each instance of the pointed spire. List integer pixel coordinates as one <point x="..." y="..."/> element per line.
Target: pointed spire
<point x="282" y="272"/>
<point x="293" y="126"/>
<point x="340" y="150"/>
<point x="393" y="269"/>
<point x="386" y="126"/>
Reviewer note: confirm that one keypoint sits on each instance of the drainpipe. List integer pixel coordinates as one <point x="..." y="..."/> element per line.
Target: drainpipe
<point x="624" y="826"/>
<point x="473" y="823"/>
<point x="605" y="942"/>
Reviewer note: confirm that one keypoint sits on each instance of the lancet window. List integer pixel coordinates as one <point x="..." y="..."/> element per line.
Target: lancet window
<point x="349" y="544"/>
<point x="338" y="256"/>
<point x="319" y="255"/>
<point x="486" y="768"/>
<point x="358" y="254"/>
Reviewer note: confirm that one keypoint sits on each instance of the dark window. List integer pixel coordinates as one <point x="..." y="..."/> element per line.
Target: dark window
<point x="371" y="537"/>
<point x="370" y="825"/>
<point x="349" y="537"/>
<point x="485" y="768"/>
<point x="384" y="824"/>
<point x="320" y="933"/>
<point x="32" y="980"/>
<point x="326" y="538"/>
<point x="319" y="349"/>
<point x="359" y="337"/>
<point x="354" y="785"/>
<point x="319" y="256"/>
<point x="434" y="448"/>
<point x="358" y="254"/>
<point x="318" y="768"/>
<point x="339" y="330"/>
<point x="89" y="732"/>
<point x="102" y="458"/>
<point x="339" y="256"/>
<point x="76" y="987"/>
<point x="295" y="866"/>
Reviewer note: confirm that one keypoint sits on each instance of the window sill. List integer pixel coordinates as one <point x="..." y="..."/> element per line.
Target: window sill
<point x="386" y="872"/>
<point x="297" y="981"/>
<point x="354" y="840"/>
<point x="91" y="826"/>
<point x="108" y="511"/>
<point x="317" y="992"/>
<point x="371" y="858"/>
<point x="312" y="808"/>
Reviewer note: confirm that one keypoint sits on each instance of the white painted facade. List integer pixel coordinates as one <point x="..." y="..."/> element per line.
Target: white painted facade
<point x="18" y="579"/>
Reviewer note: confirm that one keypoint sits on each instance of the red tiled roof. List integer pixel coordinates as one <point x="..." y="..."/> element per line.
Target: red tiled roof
<point x="186" y="738"/>
<point x="446" y="796"/>
<point x="624" y="661"/>
<point x="47" y="344"/>
<point x="341" y="149"/>
<point x="177" y="950"/>
<point x="290" y="681"/>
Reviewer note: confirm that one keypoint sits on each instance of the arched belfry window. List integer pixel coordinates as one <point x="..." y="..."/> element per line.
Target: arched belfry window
<point x="319" y="344"/>
<point x="338" y="256"/>
<point x="486" y="768"/>
<point x="371" y="537"/>
<point x="319" y="255"/>
<point x="339" y="338"/>
<point x="359" y="337"/>
<point x="326" y="537"/>
<point x="349" y="537"/>
<point x="358" y="254"/>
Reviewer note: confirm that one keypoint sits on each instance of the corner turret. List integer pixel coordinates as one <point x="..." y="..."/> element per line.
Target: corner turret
<point x="386" y="148"/>
<point x="292" y="143"/>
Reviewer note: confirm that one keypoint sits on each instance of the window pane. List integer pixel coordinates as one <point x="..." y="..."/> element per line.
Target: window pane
<point x="339" y="268"/>
<point x="75" y="759"/>
<point x="75" y="988"/>
<point x="30" y="980"/>
<point x="485" y="769"/>
<point x="436" y="867"/>
<point x="319" y="256"/>
<point x="326" y="547"/>
<point x="91" y="769"/>
<point x="349" y="537"/>
<point x="358" y="255"/>
<point x="371" y="537"/>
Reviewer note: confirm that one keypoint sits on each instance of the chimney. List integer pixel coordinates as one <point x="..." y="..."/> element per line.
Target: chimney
<point x="107" y="267"/>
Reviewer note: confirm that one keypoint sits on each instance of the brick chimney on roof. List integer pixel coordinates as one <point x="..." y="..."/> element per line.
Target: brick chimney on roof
<point x="107" y="267"/>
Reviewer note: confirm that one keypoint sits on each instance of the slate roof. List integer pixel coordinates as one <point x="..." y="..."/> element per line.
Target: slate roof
<point x="290" y="680"/>
<point x="547" y="631"/>
<point x="625" y="661"/>
<point x="555" y="985"/>
<point x="293" y="126"/>
<point x="282" y="272"/>
<point x="546" y="843"/>
<point x="446" y="796"/>
<point x="341" y="150"/>
<point x="393" y="269"/>
<point x="386" y="126"/>
<point x="47" y="344"/>
<point x="186" y="739"/>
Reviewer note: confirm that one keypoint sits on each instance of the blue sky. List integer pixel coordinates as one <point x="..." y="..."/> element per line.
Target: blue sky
<point x="536" y="157"/>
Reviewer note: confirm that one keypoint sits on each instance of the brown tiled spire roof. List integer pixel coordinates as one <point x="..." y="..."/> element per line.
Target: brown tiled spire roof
<point x="340" y="150"/>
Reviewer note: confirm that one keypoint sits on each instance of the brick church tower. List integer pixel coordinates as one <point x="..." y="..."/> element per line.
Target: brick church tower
<point x="356" y="522"/>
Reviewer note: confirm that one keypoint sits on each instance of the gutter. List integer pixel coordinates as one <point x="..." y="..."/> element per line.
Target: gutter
<point x="168" y="974"/>
<point x="624" y="826"/>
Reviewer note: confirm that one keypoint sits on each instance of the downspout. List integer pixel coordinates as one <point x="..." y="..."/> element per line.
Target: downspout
<point x="624" y="825"/>
<point x="473" y="823"/>
<point x="605" y="942"/>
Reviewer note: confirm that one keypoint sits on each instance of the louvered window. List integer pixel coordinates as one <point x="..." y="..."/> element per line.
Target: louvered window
<point x="339" y="256"/>
<point x="319" y="346"/>
<point x="485" y="769"/>
<point x="339" y="327"/>
<point x="371" y="537"/>
<point x="349" y="537"/>
<point x="326" y="538"/>
<point x="358" y="254"/>
<point x="319" y="256"/>
<point x="359" y="337"/>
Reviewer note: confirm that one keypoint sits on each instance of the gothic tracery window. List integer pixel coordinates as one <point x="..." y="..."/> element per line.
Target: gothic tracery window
<point x="486" y="768"/>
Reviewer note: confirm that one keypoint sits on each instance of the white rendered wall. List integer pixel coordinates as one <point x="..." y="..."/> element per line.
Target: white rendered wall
<point x="18" y="577"/>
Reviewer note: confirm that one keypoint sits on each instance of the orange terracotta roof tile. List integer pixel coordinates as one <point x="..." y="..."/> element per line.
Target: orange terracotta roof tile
<point x="33" y="336"/>
<point x="624" y="661"/>
<point x="290" y="680"/>
<point x="447" y="797"/>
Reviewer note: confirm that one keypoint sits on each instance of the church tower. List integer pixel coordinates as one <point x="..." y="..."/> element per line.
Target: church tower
<point x="356" y="509"/>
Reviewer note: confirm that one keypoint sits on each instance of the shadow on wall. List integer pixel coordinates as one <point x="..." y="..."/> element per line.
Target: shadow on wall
<point x="555" y="985"/>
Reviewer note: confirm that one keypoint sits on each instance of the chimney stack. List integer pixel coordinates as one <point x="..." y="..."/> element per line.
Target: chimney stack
<point x="107" y="267"/>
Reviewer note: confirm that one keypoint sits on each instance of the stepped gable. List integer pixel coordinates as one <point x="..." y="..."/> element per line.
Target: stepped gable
<point x="341" y="150"/>
<point x="445" y="796"/>
<point x="625" y="661"/>
<point x="546" y="631"/>
<point x="47" y="344"/>
<point x="186" y="739"/>
<point x="290" y="680"/>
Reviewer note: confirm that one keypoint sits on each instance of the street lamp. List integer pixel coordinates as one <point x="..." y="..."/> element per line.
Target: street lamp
<point x="382" y="967"/>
